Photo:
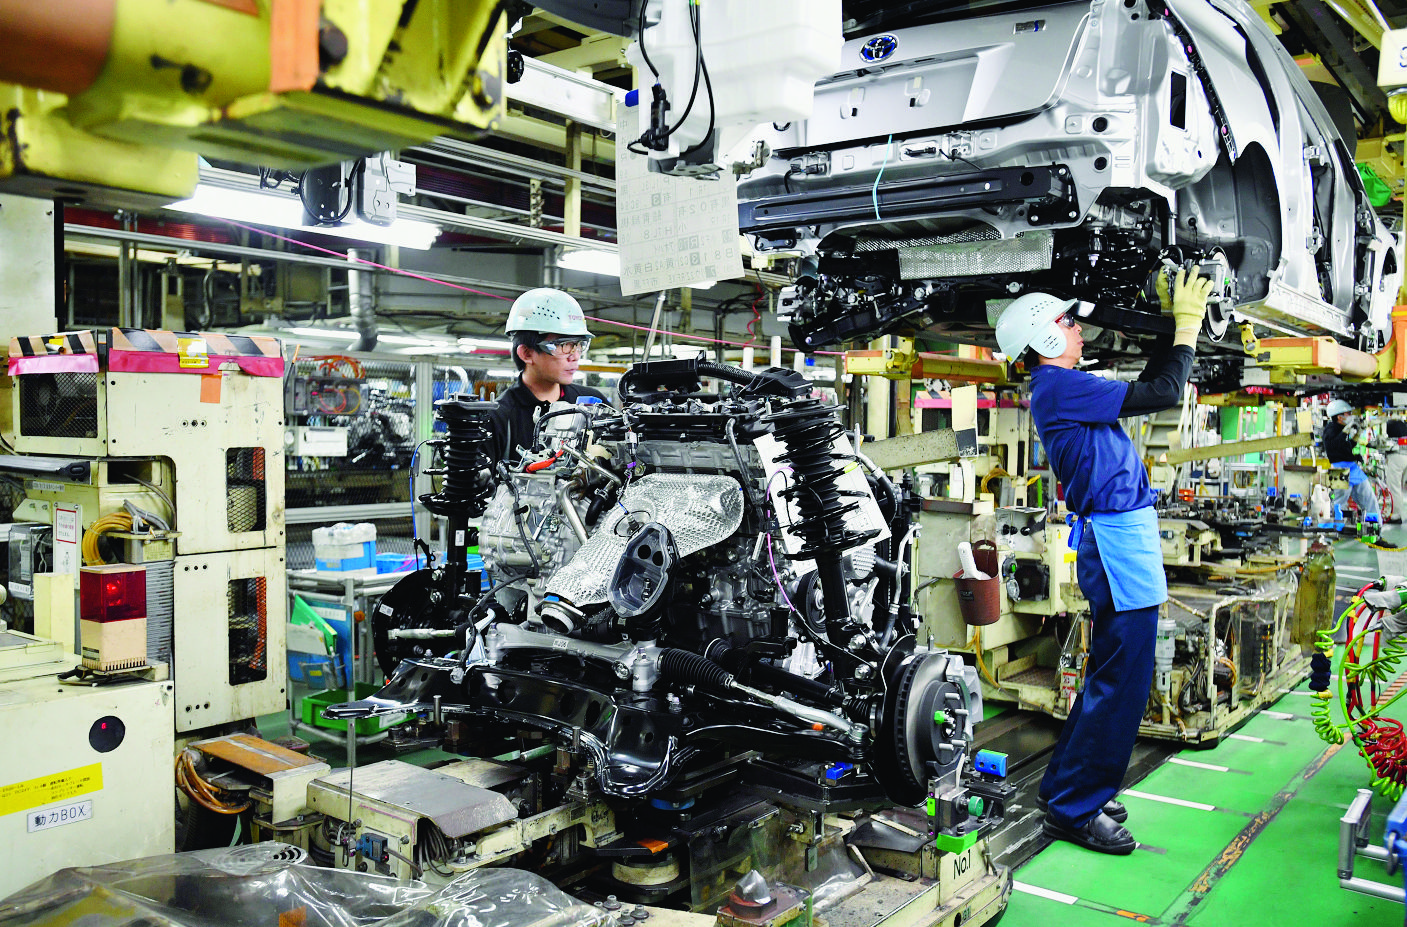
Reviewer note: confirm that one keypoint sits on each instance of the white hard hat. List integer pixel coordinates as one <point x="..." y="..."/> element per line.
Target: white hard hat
<point x="1029" y="322"/>
<point x="1338" y="407"/>
<point x="549" y="311"/>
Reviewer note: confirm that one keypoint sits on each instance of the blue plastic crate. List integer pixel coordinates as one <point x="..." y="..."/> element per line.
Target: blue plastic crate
<point x="363" y="561"/>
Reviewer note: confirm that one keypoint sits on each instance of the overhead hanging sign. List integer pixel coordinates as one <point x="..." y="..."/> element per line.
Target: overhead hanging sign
<point x="672" y="231"/>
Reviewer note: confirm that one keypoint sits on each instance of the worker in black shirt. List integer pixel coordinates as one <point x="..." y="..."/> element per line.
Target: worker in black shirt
<point x="549" y="338"/>
<point x="1340" y="448"/>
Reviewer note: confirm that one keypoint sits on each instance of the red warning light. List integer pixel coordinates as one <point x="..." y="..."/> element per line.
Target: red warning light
<point x="112" y="592"/>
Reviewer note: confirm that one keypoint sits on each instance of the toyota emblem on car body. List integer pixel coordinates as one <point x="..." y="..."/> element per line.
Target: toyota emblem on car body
<point x="879" y="48"/>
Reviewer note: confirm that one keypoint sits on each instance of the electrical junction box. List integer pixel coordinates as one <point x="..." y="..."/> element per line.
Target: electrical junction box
<point x="87" y="777"/>
<point x="31" y="552"/>
<point x="315" y="441"/>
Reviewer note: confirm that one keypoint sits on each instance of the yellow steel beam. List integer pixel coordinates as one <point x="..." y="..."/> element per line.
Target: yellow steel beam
<point x="913" y="450"/>
<point x="922" y="365"/>
<point x="1237" y="448"/>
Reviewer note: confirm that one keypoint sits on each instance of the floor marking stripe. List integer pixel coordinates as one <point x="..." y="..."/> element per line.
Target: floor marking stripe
<point x="1309" y="692"/>
<point x="1200" y="806"/>
<point x="1194" y="763"/>
<point x="1254" y="740"/>
<point x="1282" y="715"/>
<point x="1203" y="884"/>
<point x="1043" y="892"/>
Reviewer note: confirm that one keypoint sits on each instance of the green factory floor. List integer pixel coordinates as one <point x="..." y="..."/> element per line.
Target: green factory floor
<point x="1242" y="835"/>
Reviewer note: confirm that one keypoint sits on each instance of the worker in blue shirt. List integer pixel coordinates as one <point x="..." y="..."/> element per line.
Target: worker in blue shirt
<point x="1344" y="453"/>
<point x="1119" y="563"/>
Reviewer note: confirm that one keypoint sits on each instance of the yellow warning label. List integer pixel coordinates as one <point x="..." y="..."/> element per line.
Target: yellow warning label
<point x="45" y="790"/>
<point x="193" y="352"/>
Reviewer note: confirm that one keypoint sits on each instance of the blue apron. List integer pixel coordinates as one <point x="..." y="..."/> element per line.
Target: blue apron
<point x="1132" y="555"/>
<point x="1355" y="472"/>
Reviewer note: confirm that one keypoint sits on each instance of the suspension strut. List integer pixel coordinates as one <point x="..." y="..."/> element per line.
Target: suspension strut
<point x="468" y="480"/>
<point x="807" y="428"/>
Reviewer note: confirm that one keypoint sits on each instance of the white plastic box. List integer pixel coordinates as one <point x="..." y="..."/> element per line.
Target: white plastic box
<point x="345" y="546"/>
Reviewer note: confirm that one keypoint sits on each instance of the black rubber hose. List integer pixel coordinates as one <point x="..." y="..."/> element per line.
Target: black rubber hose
<point x="771" y="676"/>
<point x="690" y="669"/>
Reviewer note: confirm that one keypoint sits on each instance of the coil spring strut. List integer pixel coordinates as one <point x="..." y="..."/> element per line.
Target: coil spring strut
<point x="468" y="476"/>
<point x="807" y="428"/>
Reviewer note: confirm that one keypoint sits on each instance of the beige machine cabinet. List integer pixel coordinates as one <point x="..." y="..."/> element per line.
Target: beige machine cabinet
<point x="229" y="656"/>
<point x="1186" y="541"/>
<point x="943" y="526"/>
<point x="86" y="777"/>
<point x="220" y="427"/>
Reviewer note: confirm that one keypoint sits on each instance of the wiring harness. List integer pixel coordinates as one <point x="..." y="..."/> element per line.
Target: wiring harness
<point x="203" y="793"/>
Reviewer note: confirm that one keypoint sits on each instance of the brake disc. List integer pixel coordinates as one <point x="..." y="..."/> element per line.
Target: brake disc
<point x="416" y="602"/>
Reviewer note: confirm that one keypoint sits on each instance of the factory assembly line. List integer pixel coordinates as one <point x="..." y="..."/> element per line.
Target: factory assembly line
<point x="718" y="641"/>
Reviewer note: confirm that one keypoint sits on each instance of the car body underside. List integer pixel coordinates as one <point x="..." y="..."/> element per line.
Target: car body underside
<point x="1078" y="149"/>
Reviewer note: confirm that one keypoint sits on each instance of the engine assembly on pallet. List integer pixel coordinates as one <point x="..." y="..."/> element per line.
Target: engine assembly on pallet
<point x="700" y="602"/>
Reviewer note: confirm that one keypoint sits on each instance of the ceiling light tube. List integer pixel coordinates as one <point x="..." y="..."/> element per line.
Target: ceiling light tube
<point x="283" y="210"/>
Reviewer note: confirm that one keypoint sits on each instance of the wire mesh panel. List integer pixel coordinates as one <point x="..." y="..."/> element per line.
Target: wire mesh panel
<point x="393" y="536"/>
<point x="59" y="405"/>
<point x="247" y="601"/>
<point x="354" y="452"/>
<point x="244" y="489"/>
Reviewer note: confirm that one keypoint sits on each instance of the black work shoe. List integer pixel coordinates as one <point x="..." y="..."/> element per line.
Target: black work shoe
<point x="1113" y="807"/>
<point x="1102" y="834"/>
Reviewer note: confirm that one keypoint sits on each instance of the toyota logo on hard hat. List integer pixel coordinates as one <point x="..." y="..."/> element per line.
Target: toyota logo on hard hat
<point x="879" y="48"/>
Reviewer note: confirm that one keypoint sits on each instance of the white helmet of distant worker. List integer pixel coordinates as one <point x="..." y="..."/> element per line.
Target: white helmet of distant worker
<point x="548" y="311"/>
<point x="1338" y="407"/>
<point x="1030" y="322"/>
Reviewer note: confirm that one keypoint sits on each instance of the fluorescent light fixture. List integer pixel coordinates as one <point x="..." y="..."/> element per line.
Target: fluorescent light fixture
<point x="591" y="261"/>
<point x="284" y="211"/>
<point x="506" y="373"/>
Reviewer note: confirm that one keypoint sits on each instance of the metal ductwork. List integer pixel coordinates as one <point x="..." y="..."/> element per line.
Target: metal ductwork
<point x="361" y="300"/>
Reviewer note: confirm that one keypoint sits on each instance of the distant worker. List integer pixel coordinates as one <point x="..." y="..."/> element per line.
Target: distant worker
<point x="1119" y="562"/>
<point x="550" y="337"/>
<point x="1343" y="453"/>
<point x="1395" y="467"/>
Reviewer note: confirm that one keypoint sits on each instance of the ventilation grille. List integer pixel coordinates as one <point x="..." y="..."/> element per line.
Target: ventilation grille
<point x="1031" y="252"/>
<point x="59" y="405"/>
<point x="977" y="233"/>
<point x="249" y="631"/>
<point x="245" y="488"/>
<point x="160" y="610"/>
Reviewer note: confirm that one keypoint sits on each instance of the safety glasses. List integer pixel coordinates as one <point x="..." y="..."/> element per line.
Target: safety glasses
<point x="565" y="347"/>
<point x="1068" y="319"/>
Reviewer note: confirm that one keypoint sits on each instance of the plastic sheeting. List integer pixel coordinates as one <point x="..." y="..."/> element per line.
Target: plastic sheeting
<point x="270" y="885"/>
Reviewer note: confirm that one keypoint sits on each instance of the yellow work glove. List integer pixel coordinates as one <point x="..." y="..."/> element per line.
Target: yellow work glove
<point x="1189" y="306"/>
<point x="1160" y="285"/>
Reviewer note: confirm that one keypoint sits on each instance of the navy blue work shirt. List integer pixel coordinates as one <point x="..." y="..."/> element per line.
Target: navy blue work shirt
<point x="1077" y="418"/>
